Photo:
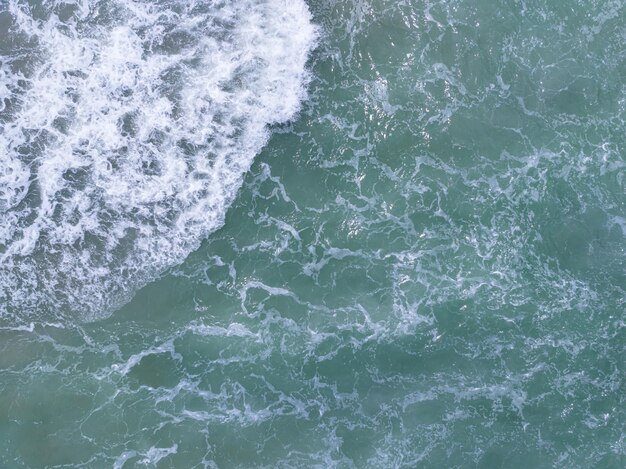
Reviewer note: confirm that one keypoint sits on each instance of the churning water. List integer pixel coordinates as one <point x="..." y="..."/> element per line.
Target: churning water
<point x="127" y="128"/>
<point x="335" y="233"/>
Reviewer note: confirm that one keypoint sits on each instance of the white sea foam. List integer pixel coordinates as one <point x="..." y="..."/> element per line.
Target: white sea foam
<point x="123" y="144"/>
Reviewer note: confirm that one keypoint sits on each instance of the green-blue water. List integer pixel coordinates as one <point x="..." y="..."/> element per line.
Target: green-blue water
<point x="426" y="267"/>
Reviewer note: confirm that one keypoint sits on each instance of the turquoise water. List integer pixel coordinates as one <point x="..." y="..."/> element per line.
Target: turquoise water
<point x="424" y="266"/>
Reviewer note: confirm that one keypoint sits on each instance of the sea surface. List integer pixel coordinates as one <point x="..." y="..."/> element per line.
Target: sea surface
<point x="312" y="234"/>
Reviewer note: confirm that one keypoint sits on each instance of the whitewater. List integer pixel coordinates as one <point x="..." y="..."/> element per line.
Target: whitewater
<point x="342" y="234"/>
<point x="126" y="129"/>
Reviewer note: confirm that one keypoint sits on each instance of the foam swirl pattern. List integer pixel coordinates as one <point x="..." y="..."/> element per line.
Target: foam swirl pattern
<point x="126" y="129"/>
<point x="425" y="269"/>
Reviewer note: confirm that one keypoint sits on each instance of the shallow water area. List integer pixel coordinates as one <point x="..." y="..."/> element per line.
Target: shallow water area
<point x="424" y="267"/>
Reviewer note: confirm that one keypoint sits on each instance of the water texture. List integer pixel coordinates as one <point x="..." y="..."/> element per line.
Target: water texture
<point x="128" y="129"/>
<point x="347" y="234"/>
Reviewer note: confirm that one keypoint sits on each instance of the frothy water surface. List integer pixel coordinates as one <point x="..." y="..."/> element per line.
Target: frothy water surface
<point x="425" y="269"/>
<point x="126" y="129"/>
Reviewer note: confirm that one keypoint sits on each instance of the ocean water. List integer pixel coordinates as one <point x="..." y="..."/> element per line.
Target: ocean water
<point x="333" y="234"/>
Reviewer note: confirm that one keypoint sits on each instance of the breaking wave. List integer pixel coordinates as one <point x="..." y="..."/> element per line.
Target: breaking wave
<point x="125" y="130"/>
